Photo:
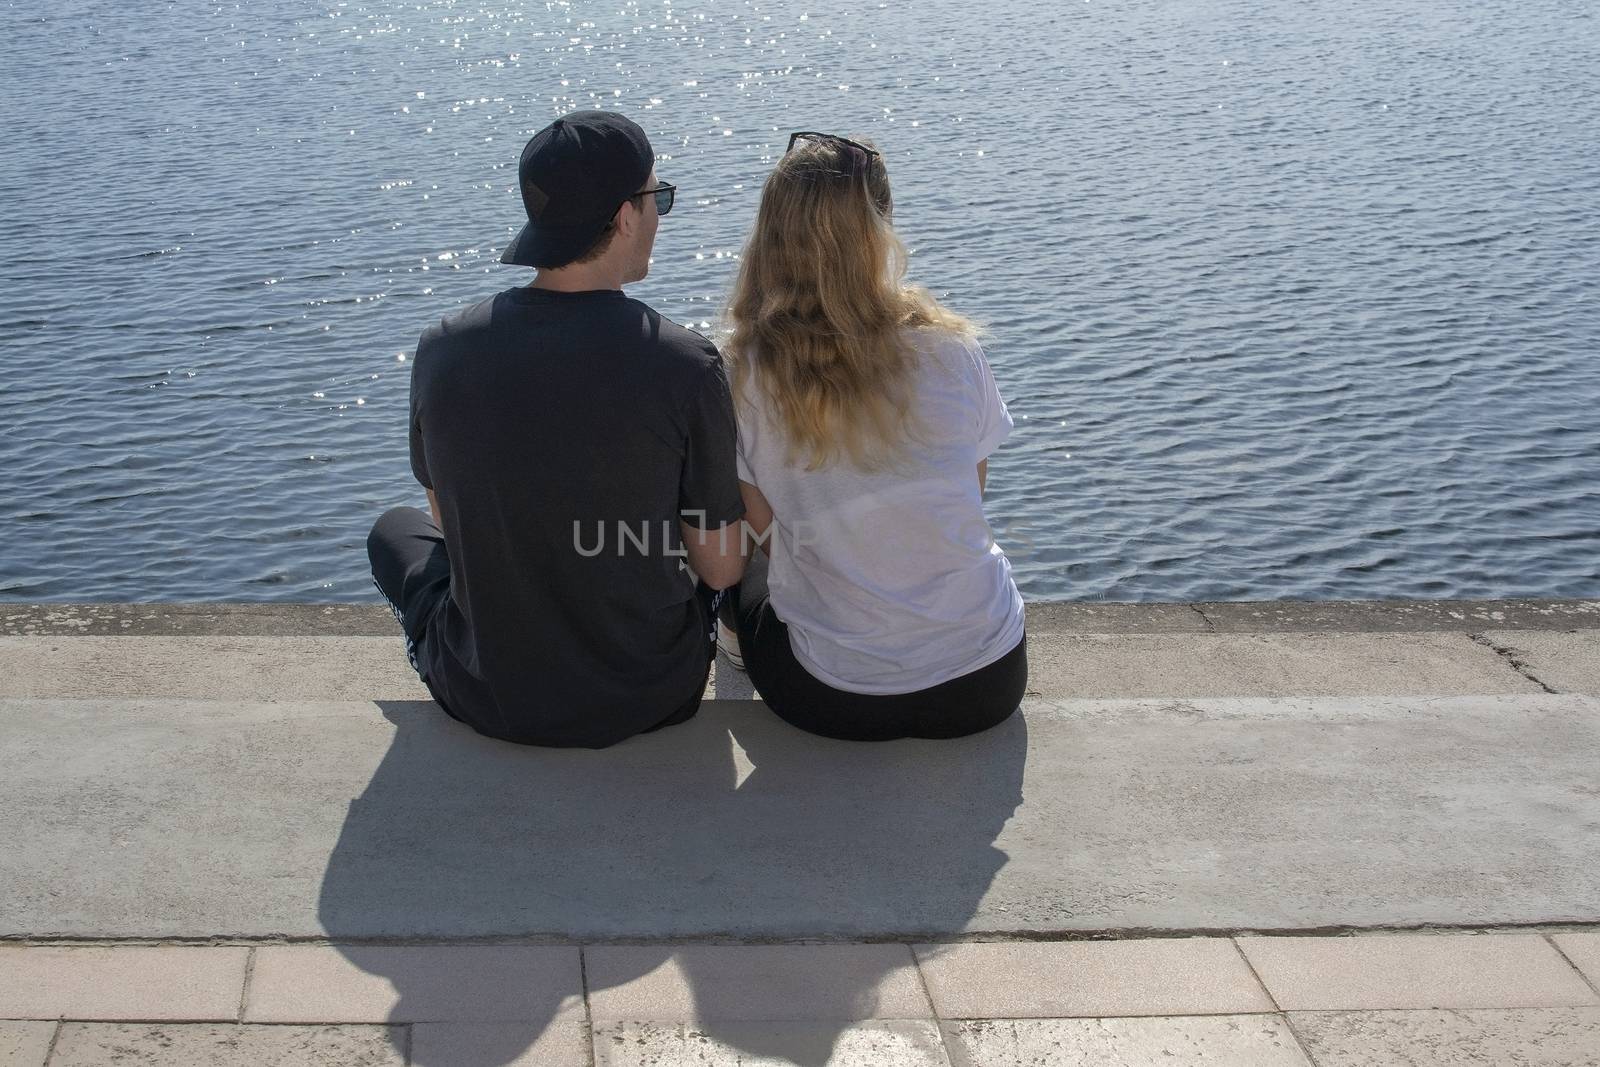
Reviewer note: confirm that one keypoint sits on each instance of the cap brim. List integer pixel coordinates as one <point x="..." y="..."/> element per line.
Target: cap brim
<point x="546" y="246"/>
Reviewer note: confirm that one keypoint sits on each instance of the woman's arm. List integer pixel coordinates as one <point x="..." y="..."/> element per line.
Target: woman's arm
<point x="757" y="515"/>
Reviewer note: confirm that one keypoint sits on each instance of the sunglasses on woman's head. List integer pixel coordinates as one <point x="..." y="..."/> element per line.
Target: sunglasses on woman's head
<point x="663" y="193"/>
<point x="811" y="135"/>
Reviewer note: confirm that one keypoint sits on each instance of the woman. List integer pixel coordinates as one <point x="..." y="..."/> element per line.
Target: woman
<point x="878" y="606"/>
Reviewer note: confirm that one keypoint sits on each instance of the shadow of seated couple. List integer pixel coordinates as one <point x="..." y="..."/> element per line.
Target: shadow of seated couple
<point x="732" y="827"/>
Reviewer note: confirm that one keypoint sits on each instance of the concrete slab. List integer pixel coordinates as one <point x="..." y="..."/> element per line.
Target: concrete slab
<point x="1528" y="1037"/>
<point x="1566" y="662"/>
<point x="878" y="1043"/>
<point x="214" y="619"/>
<point x="198" y="1045"/>
<point x="1104" y="617"/>
<point x="414" y="983"/>
<point x="1175" y="976"/>
<point x="1397" y="616"/>
<point x="25" y="1043"/>
<point x="1192" y="666"/>
<point x="231" y="668"/>
<point x="218" y="619"/>
<point x="1233" y="1040"/>
<point x="1060" y="665"/>
<point x="208" y="668"/>
<point x="353" y="821"/>
<point x="1416" y="971"/>
<point x="125" y="982"/>
<point x="698" y="983"/>
<point x="499" y="1045"/>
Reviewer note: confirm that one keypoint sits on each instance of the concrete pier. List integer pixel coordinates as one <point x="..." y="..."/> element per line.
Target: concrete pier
<point x="1285" y="833"/>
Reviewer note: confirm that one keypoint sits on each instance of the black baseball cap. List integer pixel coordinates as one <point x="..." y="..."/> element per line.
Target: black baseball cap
<point x="574" y="175"/>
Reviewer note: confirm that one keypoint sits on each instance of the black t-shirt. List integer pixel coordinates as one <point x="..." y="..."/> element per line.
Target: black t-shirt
<point x="565" y="434"/>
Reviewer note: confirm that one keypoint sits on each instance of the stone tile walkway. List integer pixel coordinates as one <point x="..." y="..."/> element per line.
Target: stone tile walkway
<point x="1421" y="999"/>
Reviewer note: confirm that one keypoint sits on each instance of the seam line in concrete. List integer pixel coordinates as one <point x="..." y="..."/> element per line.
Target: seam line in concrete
<point x="922" y="981"/>
<point x="902" y="937"/>
<point x="1509" y="654"/>
<point x="933" y="1011"/>
<point x="50" y="1049"/>
<point x="1551" y="941"/>
<point x="588" y="1013"/>
<point x="244" y="987"/>
<point x="1234" y="941"/>
<point x="1211" y="627"/>
<point x="262" y="1024"/>
<point x="410" y="1040"/>
<point x="944" y="1041"/>
<point x="1300" y="1043"/>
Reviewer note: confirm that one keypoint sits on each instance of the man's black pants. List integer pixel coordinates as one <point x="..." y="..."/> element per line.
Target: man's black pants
<point x="411" y="568"/>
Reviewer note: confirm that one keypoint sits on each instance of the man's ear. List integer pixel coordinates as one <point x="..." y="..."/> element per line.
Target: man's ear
<point x="625" y="219"/>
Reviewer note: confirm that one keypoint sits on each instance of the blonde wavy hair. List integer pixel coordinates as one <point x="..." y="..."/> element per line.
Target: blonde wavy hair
<point x="820" y="303"/>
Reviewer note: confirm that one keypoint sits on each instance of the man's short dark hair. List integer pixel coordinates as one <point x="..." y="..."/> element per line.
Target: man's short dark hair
<point x="601" y="243"/>
<point x="598" y="249"/>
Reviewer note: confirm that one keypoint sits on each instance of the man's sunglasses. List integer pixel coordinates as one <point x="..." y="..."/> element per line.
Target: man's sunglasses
<point x="830" y="138"/>
<point x="663" y="193"/>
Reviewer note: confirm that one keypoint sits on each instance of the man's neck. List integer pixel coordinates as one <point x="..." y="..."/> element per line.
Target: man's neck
<point x="579" y="277"/>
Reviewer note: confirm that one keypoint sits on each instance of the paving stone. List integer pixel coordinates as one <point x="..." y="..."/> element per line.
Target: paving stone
<point x="1566" y="662"/>
<point x="24" y="1043"/>
<point x="1520" y="1037"/>
<point x="1159" y="976"/>
<point x="1196" y="666"/>
<point x="874" y="1043"/>
<point x="230" y="1045"/>
<point x="500" y="1045"/>
<point x="768" y="982"/>
<point x="1220" y="1040"/>
<point x="1415" y="971"/>
<point x="1584" y="951"/>
<point x="415" y="983"/>
<point x="121" y="982"/>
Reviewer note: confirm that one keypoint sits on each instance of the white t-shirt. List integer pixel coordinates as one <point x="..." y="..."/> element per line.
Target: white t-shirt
<point x="891" y="582"/>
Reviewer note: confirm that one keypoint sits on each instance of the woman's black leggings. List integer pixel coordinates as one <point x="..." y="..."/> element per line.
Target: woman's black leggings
<point x="960" y="706"/>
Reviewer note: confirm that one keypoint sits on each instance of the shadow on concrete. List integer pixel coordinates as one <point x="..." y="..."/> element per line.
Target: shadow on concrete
<point x="733" y="825"/>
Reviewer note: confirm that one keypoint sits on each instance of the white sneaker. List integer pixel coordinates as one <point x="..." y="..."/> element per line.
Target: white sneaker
<point x="728" y="645"/>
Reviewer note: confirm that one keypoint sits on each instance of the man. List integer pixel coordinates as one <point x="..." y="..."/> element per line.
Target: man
<point x="575" y="446"/>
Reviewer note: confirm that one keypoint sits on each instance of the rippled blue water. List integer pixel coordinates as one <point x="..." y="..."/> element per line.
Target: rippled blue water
<point x="1288" y="299"/>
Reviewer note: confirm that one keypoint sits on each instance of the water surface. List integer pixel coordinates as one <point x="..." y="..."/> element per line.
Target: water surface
<point x="1288" y="300"/>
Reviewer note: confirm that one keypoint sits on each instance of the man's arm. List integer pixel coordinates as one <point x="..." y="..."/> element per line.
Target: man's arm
<point x="708" y="485"/>
<point x="419" y="455"/>
<point x="715" y="553"/>
<point x="983" y="474"/>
